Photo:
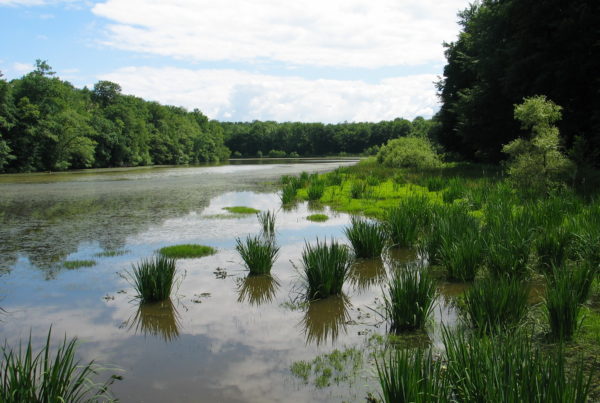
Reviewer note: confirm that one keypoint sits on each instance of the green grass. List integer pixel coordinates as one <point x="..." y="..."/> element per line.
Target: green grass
<point x="325" y="268"/>
<point x="318" y="217"/>
<point x="267" y="222"/>
<point x="153" y="278"/>
<point x="462" y="258"/>
<point x="405" y="222"/>
<point x="258" y="253"/>
<point x="409" y="298"/>
<point x="315" y="190"/>
<point x="111" y="253"/>
<point x="76" y="264"/>
<point x="241" y="210"/>
<point x="187" y="251"/>
<point x="358" y="189"/>
<point x="288" y="194"/>
<point x="367" y="238"/>
<point x="493" y="305"/>
<point x="26" y="376"/>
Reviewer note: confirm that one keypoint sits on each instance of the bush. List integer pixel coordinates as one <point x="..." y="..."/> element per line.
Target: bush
<point x="409" y="152"/>
<point x="277" y="154"/>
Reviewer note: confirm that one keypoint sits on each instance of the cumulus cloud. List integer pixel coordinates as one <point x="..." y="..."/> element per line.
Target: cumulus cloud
<point x="22" y="68"/>
<point x="359" y="33"/>
<point x="238" y="95"/>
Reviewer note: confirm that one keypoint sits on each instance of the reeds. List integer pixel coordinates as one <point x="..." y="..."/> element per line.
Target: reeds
<point x="493" y="305"/>
<point x="267" y="219"/>
<point x="288" y="194"/>
<point x="153" y="278"/>
<point x="461" y="258"/>
<point x="326" y="267"/>
<point x="405" y="222"/>
<point x="367" y="237"/>
<point x="409" y="298"/>
<point x="358" y="189"/>
<point x="315" y="190"/>
<point x="258" y="253"/>
<point x="26" y="376"/>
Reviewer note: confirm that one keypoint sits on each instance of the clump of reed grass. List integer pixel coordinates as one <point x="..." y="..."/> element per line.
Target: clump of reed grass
<point x="462" y="257"/>
<point x="288" y="194"/>
<point x="77" y="264"/>
<point x="493" y="305"/>
<point x="26" y="376"/>
<point x="411" y="375"/>
<point x="258" y="253"/>
<point x="358" y="189"/>
<point x="334" y="178"/>
<point x="409" y="298"/>
<point x="405" y="222"/>
<point x="435" y="183"/>
<point x="153" y="278"/>
<point x="456" y="189"/>
<point x="367" y="237"/>
<point x="266" y="220"/>
<point x="317" y="217"/>
<point x="187" y="251"/>
<point x="315" y="190"/>
<point x="552" y="248"/>
<point x="510" y="368"/>
<point x="325" y="268"/>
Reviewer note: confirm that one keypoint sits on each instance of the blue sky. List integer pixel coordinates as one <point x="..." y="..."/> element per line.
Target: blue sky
<point x="316" y="60"/>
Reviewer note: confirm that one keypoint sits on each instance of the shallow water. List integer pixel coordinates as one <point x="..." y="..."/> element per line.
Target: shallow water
<point x="223" y="336"/>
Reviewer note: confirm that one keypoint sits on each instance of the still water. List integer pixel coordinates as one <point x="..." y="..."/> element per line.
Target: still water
<point x="223" y="336"/>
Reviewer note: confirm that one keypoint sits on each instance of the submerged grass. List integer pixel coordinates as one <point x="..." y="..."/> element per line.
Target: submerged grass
<point x="318" y="217"/>
<point x="153" y="278"/>
<point x="187" y="251"/>
<point x="77" y="264"/>
<point x="26" y="376"/>
<point x="367" y="238"/>
<point x="241" y="210"/>
<point x="258" y="253"/>
<point x="325" y="268"/>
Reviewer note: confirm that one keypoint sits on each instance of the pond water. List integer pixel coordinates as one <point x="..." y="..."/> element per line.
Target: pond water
<point x="222" y="336"/>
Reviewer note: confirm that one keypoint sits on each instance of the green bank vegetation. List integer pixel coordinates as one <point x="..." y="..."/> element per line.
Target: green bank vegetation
<point x="187" y="251"/>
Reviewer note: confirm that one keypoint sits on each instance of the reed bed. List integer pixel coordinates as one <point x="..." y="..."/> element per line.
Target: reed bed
<point x="288" y="194"/>
<point x="405" y="222"/>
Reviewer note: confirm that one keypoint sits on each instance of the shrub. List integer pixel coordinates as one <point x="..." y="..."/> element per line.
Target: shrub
<point x="408" y="152"/>
<point x="409" y="298"/>
<point x="367" y="238"/>
<point x="258" y="253"/>
<point x="326" y="267"/>
<point x="153" y="278"/>
<point x="277" y="154"/>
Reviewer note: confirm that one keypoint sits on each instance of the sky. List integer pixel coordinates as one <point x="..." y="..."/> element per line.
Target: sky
<point x="241" y="60"/>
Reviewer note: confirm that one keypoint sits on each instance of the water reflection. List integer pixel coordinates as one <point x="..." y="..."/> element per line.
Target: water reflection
<point x="326" y="319"/>
<point x="159" y="319"/>
<point x="257" y="290"/>
<point x="366" y="273"/>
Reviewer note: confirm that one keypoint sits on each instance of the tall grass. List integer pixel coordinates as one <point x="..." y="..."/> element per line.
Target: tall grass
<point x="367" y="238"/>
<point x="510" y="368"/>
<point x="258" y="253"/>
<point x="411" y="376"/>
<point x="153" y="278"/>
<point x="409" y="298"/>
<point x="358" y="189"/>
<point x="496" y="304"/>
<point x="552" y="247"/>
<point x="288" y="194"/>
<point x="405" y="222"/>
<point x="26" y="376"/>
<point x="326" y="267"/>
<point x="462" y="258"/>
<point x="267" y="219"/>
<point x="315" y="190"/>
<point x="456" y="189"/>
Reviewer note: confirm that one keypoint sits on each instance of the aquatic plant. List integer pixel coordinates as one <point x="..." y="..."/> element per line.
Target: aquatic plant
<point x="315" y="190"/>
<point x="462" y="257"/>
<point x="455" y="189"/>
<point x="409" y="298"/>
<point x="111" y="253"/>
<point x="241" y="210"/>
<point x="317" y="217"/>
<point x="552" y="247"/>
<point x="288" y="194"/>
<point x="187" y="251"/>
<point x="411" y="375"/>
<point x="153" y="278"/>
<point x="510" y="368"/>
<point x="405" y="222"/>
<point x="495" y="304"/>
<point x="76" y="264"/>
<point x="26" y="376"/>
<point x="258" y="253"/>
<point x="358" y="189"/>
<point x="367" y="237"/>
<point x="435" y="183"/>
<point x="325" y="268"/>
<point x="267" y="222"/>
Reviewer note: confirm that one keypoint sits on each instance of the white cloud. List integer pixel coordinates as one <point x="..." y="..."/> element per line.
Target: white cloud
<point x="236" y="95"/>
<point x="360" y="33"/>
<point x="22" y="68"/>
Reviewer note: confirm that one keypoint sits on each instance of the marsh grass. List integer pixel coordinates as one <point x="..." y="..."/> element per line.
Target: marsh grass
<point x="258" y="253"/>
<point x="241" y="210"/>
<point x="493" y="305"/>
<point x="358" y="189"/>
<point x="153" y="278"/>
<point x="433" y="183"/>
<point x="368" y="238"/>
<point x="325" y="268"/>
<point x="411" y="375"/>
<point x="288" y="194"/>
<point x="405" y="222"/>
<point x="317" y="217"/>
<point x="456" y="189"/>
<point x="461" y="258"/>
<point x="186" y="251"/>
<point x="315" y="190"/>
<point x="267" y="220"/>
<point x="77" y="264"/>
<point x="409" y="298"/>
<point x="45" y="376"/>
<point x="510" y="368"/>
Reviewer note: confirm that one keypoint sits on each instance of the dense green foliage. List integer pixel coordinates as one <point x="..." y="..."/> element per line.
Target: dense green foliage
<point x="409" y="152"/>
<point x="512" y="49"/>
<point x="47" y="124"/>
